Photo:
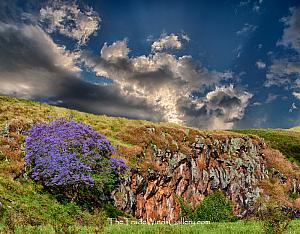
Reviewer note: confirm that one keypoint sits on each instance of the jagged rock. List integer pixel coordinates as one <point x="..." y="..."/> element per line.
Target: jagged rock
<point x="234" y="165"/>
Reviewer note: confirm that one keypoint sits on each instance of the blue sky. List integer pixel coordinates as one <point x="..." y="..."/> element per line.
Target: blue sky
<point x="207" y="64"/>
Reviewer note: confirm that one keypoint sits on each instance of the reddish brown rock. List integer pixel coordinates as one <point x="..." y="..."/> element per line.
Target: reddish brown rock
<point x="234" y="165"/>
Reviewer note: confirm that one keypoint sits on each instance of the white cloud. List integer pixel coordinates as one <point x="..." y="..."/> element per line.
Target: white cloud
<point x="158" y="86"/>
<point x="293" y="107"/>
<point x="284" y="72"/>
<point x="32" y="66"/>
<point x="260" y="65"/>
<point x="233" y="105"/>
<point x="247" y="29"/>
<point x="257" y="6"/>
<point x="244" y="3"/>
<point x="254" y="4"/>
<point x="185" y="37"/>
<point x="297" y="95"/>
<point x="219" y="109"/>
<point x="271" y="97"/>
<point x="167" y="83"/>
<point x="118" y="50"/>
<point x="238" y="51"/>
<point x="69" y="20"/>
<point x="291" y="33"/>
<point x="257" y="104"/>
<point x="165" y="41"/>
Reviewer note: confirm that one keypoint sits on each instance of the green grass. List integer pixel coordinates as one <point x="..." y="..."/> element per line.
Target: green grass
<point x="26" y="204"/>
<point x="295" y="129"/>
<point x="286" y="141"/>
<point x="13" y="108"/>
<point x="217" y="228"/>
<point x="247" y="227"/>
<point x="48" y="229"/>
<point x="29" y="209"/>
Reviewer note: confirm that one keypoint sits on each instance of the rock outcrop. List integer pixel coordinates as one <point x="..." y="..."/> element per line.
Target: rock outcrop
<point x="192" y="168"/>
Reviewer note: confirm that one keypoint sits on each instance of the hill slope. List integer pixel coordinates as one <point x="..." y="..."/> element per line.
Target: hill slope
<point x="296" y="129"/>
<point x="167" y="161"/>
<point x="286" y="141"/>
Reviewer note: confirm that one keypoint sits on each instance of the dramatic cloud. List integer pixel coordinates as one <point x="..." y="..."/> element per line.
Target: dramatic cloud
<point x="168" y="83"/>
<point x="32" y="66"/>
<point x="220" y="108"/>
<point x="165" y="41"/>
<point x="69" y="20"/>
<point x="155" y="87"/>
<point x="29" y="48"/>
<point x="158" y="86"/>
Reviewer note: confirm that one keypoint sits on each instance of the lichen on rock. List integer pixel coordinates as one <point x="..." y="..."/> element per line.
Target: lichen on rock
<point x="199" y="165"/>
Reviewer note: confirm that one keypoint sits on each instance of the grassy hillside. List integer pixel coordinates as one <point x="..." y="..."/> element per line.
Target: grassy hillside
<point x="295" y="129"/>
<point x="24" y="204"/>
<point x="123" y="133"/>
<point x="30" y="112"/>
<point x="285" y="140"/>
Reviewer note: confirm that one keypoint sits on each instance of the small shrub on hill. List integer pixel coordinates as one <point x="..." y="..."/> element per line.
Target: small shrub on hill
<point x="215" y="208"/>
<point x="72" y="159"/>
<point x="275" y="221"/>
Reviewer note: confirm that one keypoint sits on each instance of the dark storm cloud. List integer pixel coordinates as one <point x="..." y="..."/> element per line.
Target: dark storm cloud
<point x="32" y="66"/>
<point x="221" y="108"/>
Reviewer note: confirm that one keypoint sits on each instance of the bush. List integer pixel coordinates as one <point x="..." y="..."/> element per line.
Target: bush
<point x="73" y="159"/>
<point x="275" y="221"/>
<point x="215" y="208"/>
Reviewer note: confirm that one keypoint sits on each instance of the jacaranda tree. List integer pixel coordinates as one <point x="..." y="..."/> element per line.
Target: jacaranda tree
<point x="72" y="159"/>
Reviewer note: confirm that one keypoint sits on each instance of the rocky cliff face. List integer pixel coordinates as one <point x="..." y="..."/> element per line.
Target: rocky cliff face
<point x="191" y="168"/>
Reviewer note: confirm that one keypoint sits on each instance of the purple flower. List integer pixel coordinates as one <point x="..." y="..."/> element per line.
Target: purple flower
<point x="119" y="166"/>
<point x="67" y="153"/>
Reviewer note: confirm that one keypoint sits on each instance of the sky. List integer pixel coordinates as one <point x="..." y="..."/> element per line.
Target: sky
<point x="206" y="64"/>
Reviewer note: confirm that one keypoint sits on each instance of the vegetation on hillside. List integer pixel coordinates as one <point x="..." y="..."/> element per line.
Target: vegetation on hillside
<point x="26" y="207"/>
<point x="295" y="129"/>
<point x="214" y="208"/>
<point x="287" y="141"/>
<point x="74" y="160"/>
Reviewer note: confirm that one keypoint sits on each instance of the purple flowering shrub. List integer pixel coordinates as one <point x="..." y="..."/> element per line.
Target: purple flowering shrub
<point x="73" y="159"/>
